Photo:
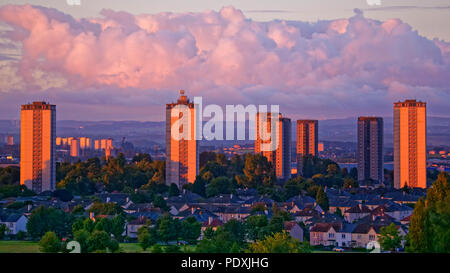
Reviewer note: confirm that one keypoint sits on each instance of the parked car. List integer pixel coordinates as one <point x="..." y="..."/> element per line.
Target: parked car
<point x="338" y="249"/>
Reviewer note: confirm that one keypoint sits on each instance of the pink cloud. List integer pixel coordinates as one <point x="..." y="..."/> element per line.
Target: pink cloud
<point x="227" y="56"/>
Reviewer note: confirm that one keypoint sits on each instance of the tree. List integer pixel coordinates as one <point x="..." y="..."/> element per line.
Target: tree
<point x="191" y="230"/>
<point x="146" y="237"/>
<point x="81" y="236"/>
<point x="98" y="241"/>
<point x="105" y="208"/>
<point x="350" y="183"/>
<point x="219" y="185"/>
<point x="117" y="226"/>
<point x="236" y="230"/>
<point x="2" y="231"/>
<point x="389" y="237"/>
<point x="173" y="190"/>
<point x="332" y="169"/>
<point x="258" y="172"/>
<point x="322" y="199"/>
<point x="49" y="219"/>
<point x="430" y="221"/>
<point x="354" y="173"/>
<point x="256" y="226"/>
<point x="293" y="187"/>
<point x="50" y="243"/>
<point x="20" y="235"/>
<point x="166" y="228"/>
<point x="416" y="234"/>
<point x="199" y="186"/>
<point x="280" y="242"/>
<point x="159" y="202"/>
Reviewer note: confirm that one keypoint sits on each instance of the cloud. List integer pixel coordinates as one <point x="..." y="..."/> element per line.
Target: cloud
<point x="327" y="68"/>
<point x="407" y="8"/>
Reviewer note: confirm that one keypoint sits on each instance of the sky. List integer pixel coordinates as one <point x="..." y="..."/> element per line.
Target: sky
<point x="123" y="60"/>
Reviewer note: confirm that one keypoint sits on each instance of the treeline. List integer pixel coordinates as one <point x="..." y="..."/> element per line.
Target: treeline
<point x="219" y="175"/>
<point x="144" y="178"/>
<point x="257" y="234"/>
<point x="430" y="222"/>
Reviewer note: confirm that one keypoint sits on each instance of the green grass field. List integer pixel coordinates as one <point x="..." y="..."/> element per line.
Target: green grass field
<point x="19" y="247"/>
<point x="33" y="247"/>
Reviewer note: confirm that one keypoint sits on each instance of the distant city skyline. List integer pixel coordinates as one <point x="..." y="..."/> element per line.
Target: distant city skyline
<point x="327" y="60"/>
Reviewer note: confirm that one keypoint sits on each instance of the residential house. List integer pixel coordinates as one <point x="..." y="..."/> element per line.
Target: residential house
<point x="357" y="212"/>
<point x="13" y="221"/>
<point x="294" y="230"/>
<point x="133" y="226"/>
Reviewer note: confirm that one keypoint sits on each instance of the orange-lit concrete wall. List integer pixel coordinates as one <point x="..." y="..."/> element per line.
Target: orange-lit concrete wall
<point x="103" y="144"/>
<point x="410" y="144"/>
<point x="75" y="148"/>
<point x="280" y="158"/>
<point x="38" y="146"/>
<point x="26" y="148"/>
<point x="181" y="155"/>
<point x="307" y="137"/>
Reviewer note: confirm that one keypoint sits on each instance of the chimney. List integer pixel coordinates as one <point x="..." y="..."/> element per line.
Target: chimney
<point x="29" y="207"/>
<point x="209" y="220"/>
<point x="127" y="200"/>
<point x="192" y="210"/>
<point x="108" y="199"/>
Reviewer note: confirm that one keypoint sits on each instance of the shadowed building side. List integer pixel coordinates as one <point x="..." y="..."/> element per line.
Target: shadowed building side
<point x="307" y="140"/>
<point x="281" y="156"/>
<point x="370" y="149"/>
<point x="38" y="146"/>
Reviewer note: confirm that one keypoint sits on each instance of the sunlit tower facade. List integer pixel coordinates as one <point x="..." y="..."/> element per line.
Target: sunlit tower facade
<point x="38" y="146"/>
<point x="281" y="156"/>
<point x="410" y="133"/>
<point x="181" y="144"/>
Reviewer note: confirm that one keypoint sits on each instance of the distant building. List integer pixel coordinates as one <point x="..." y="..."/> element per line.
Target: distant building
<point x="281" y="156"/>
<point x="97" y="144"/>
<point x="181" y="146"/>
<point x="75" y="148"/>
<point x="58" y="141"/>
<point x="410" y="133"/>
<point x="38" y="146"/>
<point x="321" y="147"/>
<point x="109" y="143"/>
<point x="370" y="149"/>
<point x="103" y="144"/>
<point x="9" y="140"/>
<point x="85" y="143"/>
<point x="307" y="140"/>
